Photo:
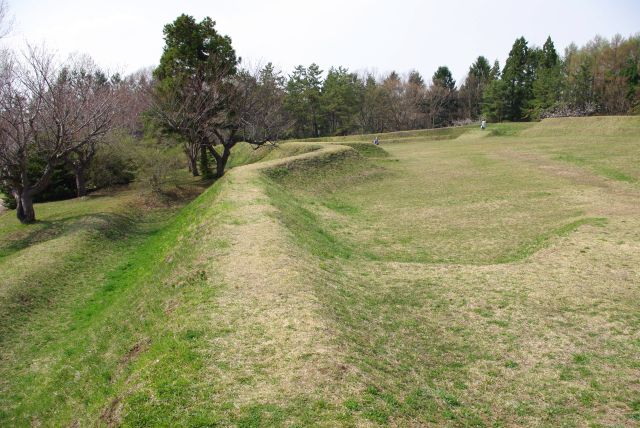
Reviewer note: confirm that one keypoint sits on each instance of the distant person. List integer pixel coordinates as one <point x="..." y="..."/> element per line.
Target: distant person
<point x="376" y="141"/>
<point x="483" y="124"/>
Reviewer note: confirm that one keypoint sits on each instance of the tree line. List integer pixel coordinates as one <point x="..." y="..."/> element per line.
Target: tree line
<point x="601" y="77"/>
<point x="71" y="125"/>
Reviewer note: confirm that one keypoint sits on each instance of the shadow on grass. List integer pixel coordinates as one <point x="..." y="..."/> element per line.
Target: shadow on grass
<point x="107" y="225"/>
<point x="116" y="232"/>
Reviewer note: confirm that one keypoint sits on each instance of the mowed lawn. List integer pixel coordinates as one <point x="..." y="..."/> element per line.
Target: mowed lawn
<point x="451" y="277"/>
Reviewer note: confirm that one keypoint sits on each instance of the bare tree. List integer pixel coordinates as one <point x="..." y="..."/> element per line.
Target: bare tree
<point x="91" y="97"/>
<point x="133" y="101"/>
<point x="6" y="23"/>
<point x="43" y="115"/>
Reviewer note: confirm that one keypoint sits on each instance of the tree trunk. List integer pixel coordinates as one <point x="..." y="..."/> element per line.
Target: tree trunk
<point x="221" y="162"/>
<point x="81" y="184"/>
<point x="193" y="166"/>
<point x="24" y="207"/>
<point x="204" y="163"/>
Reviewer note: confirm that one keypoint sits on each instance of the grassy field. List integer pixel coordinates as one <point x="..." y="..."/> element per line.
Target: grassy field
<point x="448" y="278"/>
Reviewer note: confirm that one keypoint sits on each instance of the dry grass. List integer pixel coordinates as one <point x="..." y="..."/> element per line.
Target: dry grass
<point x="468" y="297"/>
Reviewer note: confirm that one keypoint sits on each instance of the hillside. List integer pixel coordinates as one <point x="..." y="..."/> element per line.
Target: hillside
<point x="450" y="277"/>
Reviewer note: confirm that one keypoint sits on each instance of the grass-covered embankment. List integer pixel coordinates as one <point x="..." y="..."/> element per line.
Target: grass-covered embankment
<point x="478" y="280"/>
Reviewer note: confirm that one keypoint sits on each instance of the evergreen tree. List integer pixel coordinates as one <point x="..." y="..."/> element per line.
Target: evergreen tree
<point x="580" y="91"/>
<point x="515" y="79"/>
<point x="192" y="47"/>
<point x="443" y="77"/>
<point x="494" y="74"/>
<point x="474" y="86"/>
<point x="302" y="100"/>
<point x="415" y="79"/>
<point x="295" y="102"/>
<point x="194" y="55"/>
<point x="494" y="101"/>
<point x="631" y="72"/>
<point x="393" y="77"/>
<point x="443" y="97"/>
<point x="313" y="93"/>
<point x="480" y="69"/>
<point x="340" y="98"/>
<point x="548" y="82"/>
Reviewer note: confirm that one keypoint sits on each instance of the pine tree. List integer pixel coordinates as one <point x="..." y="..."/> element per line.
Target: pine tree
<point x="494" y="74"/>
<point x="295" y="102"/>
<point x="313" y="90"/>
<point x="474" y="86"/>
<point x="548" y="82"/>
<point x="494" y="101"/>
<point x="517" y="80"/>
<point x="340" y="98"/>
<point x="443" y="77"/>
<point x="415" y="79"/>
<point x="443" y="97"/>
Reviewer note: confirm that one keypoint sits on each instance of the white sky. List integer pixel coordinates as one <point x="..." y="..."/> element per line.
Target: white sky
<point x="378" y="36"/>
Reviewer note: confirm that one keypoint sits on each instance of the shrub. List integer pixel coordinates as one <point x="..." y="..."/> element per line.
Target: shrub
<point x="114" y="164"/>
<point x="156" y="166"/>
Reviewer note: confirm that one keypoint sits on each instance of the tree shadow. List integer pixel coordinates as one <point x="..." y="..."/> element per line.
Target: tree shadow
<point x="105" y="225"/>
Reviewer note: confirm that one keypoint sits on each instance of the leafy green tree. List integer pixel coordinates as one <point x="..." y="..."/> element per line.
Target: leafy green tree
<point x="580" y="92"/>
<point x="480" y="69"/>
<point x="494" y="74"/>
<point x="295" y="102"/>
<point x="302" y="100"/>
<point x="631" y="72"/>
<point x="314" y="85"/>
<point x="194" y="48"/>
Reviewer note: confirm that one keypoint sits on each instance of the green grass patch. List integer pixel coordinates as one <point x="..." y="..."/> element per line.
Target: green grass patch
<point x="508" y="129"/>
<point x="304" y="225"/>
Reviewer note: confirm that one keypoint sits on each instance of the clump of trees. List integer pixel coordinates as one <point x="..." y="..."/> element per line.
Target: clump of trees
<point x="64" y="125"/>
<point x="51" y="114"/>
<point x="600" y="78"/>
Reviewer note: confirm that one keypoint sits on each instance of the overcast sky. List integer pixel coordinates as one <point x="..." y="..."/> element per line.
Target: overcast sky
<point x="377" y="36"/>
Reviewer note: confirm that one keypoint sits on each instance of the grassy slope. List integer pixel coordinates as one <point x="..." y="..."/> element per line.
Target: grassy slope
<point x="63" y="279"/>
<point x="477" y="280"/>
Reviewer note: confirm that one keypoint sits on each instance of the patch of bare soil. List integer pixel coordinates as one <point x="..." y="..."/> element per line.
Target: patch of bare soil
<point x="111" y="414"/>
